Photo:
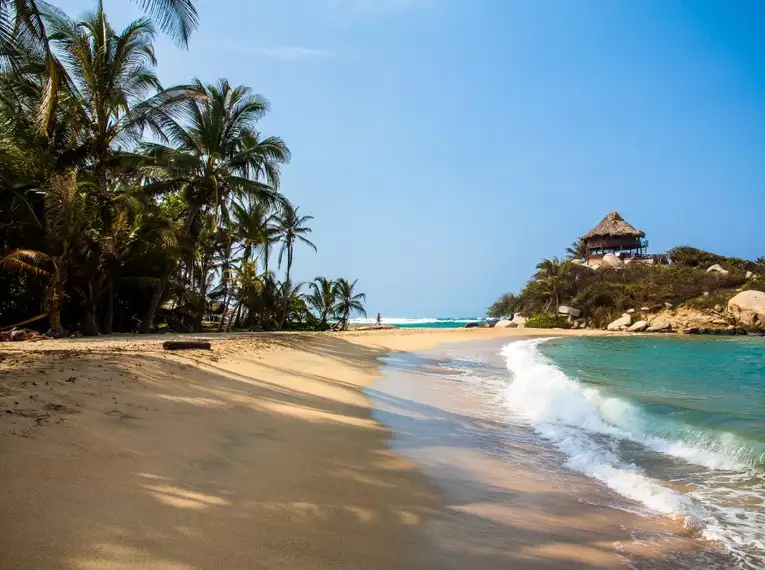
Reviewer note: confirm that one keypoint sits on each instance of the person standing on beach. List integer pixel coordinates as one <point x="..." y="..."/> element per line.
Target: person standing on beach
<point x="379" y="319"/>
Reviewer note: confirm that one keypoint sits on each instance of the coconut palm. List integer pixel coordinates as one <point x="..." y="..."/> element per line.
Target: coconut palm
<point x="322" y="299"/>
<point x="287" y="293"/>
<point x="292" y="229"/>
<point x="552" y="274"/>
<point x="216" y="155"/>
<point x="577" y="250"/>
<point x="112" y="84"/>
<point x="253" y="227"/>
<point x="347" y="301"/>
<point x="67" y="215"/>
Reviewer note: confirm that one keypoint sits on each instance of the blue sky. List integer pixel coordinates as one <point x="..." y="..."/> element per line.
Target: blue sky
<point x="445" y="146"/>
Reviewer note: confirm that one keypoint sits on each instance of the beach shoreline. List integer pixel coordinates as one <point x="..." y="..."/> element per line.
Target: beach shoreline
<point x="262" y="452"/>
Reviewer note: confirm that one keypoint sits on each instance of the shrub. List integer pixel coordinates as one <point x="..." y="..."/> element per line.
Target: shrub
<point x="546" y="321"/>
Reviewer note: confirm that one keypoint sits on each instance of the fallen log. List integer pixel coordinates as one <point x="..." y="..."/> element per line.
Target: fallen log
<point x="185" y="345"/>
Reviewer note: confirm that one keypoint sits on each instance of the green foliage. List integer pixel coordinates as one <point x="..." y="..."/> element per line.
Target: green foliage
<point x="693" y="257"/>
<point x="546" y="321"/>
<point x="505" y="306"/>
<point x="128" y="207"/>
<point x="604" y="294"/>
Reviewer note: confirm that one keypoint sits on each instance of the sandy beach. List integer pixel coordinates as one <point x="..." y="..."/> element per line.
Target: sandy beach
<point x="260" y="453"/>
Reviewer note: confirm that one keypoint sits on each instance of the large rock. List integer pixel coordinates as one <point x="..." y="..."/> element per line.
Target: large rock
<point x="659" y="325"/>
<point x="519" y="321"/>
<point x="748" y="308"/>
<point x="624" y="321"/>
<point x="717" y="268"/>
<point x="505" y="324"/>
<point x="639" y="326"/>
<point x="570" y="311"/>
<point x="749" y="274"/>
<point x="611" y="260"/>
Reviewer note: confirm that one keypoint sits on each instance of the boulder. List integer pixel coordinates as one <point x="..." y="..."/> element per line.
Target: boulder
<point x="645" y="309"/>
<point x="659" y="325"/>
<point x="624" y="321"/>
<point x="611" y="260"/>
<point x="748" y="308"/>
<point x="570" y="311"/>
<point x="668" y="305"/>
<point x="693" y="330"/>
<point x="718" y="309"/>
<point x="706" y="294"/>
<point x="471" y="325"/>
<point x="630" y="311"/>
<point x="749" y="274"/>
<point x="520" y="321"/>
<point x="578" y="262"/>
<point x="717" y="268"/>
<point x="505" y="324"/>
<point x="639" y="326"/>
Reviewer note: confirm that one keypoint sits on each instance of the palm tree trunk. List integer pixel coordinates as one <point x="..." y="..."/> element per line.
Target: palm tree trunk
<point x="289" y="261"/>
<point x="109" y="309"/>
<point x="156" y="297"/>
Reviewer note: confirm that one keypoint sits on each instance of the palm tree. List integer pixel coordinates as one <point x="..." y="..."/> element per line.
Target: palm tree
<point x="322" y="299"/>
<point x="347" y="301"/>
<point x="67" y="215"/>
<point x="577" y="250"/>
<point x="254" y="229"/>
<point x="292" y="229"/>
<point x="217" y="155"/>
<point x="287" y="293"/>
<point x="112" y="84"/>
<point x="553" y="275"/>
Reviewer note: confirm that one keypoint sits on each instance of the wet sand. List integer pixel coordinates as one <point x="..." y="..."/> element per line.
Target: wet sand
<point x="261" y="453"/>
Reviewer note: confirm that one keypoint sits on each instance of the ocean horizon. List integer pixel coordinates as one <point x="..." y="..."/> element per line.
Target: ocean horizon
<point x="424" y="322"/>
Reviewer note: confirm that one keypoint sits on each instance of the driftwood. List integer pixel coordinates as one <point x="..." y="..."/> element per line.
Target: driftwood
<point x="185" y="345"/>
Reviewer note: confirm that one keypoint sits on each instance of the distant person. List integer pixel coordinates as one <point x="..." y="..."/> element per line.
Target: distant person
<point x="379" y="319"/>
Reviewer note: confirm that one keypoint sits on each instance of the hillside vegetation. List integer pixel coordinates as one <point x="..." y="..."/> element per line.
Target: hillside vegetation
<point x="604" y="294"/>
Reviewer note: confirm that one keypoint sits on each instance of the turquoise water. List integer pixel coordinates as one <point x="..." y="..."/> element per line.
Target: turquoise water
<point x="676" y="424"/>
<point x="428" y="322"/>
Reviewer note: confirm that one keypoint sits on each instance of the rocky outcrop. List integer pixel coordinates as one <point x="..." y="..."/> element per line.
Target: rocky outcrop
<point x="505" y="324"/>
<point x="611" y="260"/>
<point x="717" y="268"/>
<point x="748" y="308"/>
<point x="659" y="325"/>
<point x="621" y="323"/>
<point x="570" y="311"/>
<point x="519" y="321"/>
<point x="639" y="326"/>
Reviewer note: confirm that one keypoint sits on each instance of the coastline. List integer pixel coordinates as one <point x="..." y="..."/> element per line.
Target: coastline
<point x="262" y="452"/>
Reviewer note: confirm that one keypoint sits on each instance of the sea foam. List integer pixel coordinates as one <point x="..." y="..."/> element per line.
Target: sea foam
<point x="575" y="417"/>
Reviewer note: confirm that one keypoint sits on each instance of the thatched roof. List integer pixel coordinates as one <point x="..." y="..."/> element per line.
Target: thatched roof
<point x="613" y="225"/>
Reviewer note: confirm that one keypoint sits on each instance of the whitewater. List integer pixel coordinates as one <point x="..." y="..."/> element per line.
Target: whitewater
<point x="678" y="460"/>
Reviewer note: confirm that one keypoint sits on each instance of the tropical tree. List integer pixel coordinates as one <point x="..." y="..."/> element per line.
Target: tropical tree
<point x="322" y="299"/>
<point x="577" y="250"/>
<point x="347" y="301"/>
<point x="292" y="229"/>
<point x="217" y="154"/>
<point x="67" y="214"/>
<point x="552" y="275"/>
<point x="253" y="228"/>
<point x="112" y="85"/>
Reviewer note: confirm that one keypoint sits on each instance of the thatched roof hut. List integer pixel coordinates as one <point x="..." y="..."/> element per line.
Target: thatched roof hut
<point x="613" y="225"/>
<point x="614" y="235"/>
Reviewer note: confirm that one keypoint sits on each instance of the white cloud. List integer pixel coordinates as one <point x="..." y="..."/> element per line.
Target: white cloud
<point x="293" y="53"/>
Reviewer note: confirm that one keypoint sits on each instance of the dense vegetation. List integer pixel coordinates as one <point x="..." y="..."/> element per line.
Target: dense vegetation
<point x="604" y="294"/>
<point x="125" y="205"/>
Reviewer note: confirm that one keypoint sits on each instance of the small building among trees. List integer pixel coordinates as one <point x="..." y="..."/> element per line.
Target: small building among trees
<point x="614" y="235"/>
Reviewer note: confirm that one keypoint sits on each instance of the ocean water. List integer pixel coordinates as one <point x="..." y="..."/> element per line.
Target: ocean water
<point x="429" y="322"/>
<point x="667" y="428"/>
<point x="675" y="424"/>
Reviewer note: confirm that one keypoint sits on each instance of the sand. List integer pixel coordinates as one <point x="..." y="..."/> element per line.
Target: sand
<point x="261" y="453"/>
